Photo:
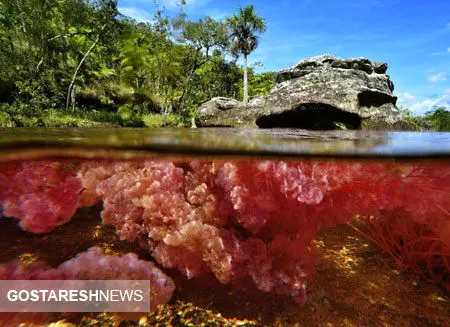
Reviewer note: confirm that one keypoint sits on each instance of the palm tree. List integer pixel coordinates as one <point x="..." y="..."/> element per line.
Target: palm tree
<point x="243" y="39"/>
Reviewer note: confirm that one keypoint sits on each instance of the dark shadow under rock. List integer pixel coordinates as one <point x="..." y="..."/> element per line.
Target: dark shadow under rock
<point x="372" y="98"/>
<point x="313" y="116"/>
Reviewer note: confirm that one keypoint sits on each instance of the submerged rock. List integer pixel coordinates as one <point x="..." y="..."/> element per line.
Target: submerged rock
<point x="322" y="92"/>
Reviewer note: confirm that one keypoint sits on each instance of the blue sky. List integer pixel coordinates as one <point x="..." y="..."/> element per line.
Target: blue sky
<point x="412" y="36"/>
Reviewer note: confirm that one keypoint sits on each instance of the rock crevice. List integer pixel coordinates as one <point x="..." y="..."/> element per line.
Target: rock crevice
<point x="313" y="116"/>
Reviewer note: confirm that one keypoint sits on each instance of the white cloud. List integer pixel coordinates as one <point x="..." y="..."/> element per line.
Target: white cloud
<point x="375" y="3"/>
<point x="406" y="99"/>
<point x="132" y="9"/>
<point x="137" y="14"/>
<point x="420" y="107"/>
<point x="439" y="77"/>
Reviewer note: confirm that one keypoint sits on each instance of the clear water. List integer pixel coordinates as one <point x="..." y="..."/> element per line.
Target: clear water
<point x="264" y="227"/>
<point x="224" y="141"/>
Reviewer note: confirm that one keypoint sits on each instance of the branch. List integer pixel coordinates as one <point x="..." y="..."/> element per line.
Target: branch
<point x="40" y="63"/>
<point x="72" y="83"/>
<point x="67" y="35"/>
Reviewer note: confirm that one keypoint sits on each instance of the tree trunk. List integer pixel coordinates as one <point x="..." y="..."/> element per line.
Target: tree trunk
<point x="186" y="82"/>
<point x="74" y="77"/>
<point x="245" y="81"/>
<point x="193" y="125"/>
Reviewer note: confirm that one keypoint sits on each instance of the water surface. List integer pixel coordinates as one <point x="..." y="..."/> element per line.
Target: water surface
<point x="222" y="141"/>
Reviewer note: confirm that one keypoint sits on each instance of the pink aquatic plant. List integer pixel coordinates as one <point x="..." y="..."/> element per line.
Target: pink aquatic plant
<point x="90" y="265"/>
<point x="248" y="222"/>
<point x="255" y="220"/>
<point x="95" y="265"/>
<point x="42" y="194"/>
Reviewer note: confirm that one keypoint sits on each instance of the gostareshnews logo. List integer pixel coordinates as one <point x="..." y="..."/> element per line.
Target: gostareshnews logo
<point x="74" y="295"/>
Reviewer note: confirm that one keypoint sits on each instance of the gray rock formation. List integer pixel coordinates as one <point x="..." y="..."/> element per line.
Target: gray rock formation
<point x="226" y="112"/>
<point x="323" y="92"/>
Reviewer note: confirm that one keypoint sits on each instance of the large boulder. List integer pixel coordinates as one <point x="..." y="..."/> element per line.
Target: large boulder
<point x="226" y="112"/>
<point x="323" y="92"/>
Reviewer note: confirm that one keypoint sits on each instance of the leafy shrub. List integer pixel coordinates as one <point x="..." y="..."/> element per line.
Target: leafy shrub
<point x="153" y="120"/>
<point x="409" y="117"/>
<point x="56" y="118"/>
<point x="5" y="120"/>
<point x="440" y="119"/>
<point x="158" y="120"/>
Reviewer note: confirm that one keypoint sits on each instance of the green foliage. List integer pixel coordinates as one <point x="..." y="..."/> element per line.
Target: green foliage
<point x="156" y="120"/>
<point x="57" y="118"/>
<point x="260" y="84"/>
<point x="20" y="115"/>
<point x="437" y="119"/>
<point x="206" y="34"/>
<point x="153" y="120"/>
<point x="5" y="120"/>
<point x="409" y="117"/>
<point x="244" y="27"/>
<point x="80" y="63"/>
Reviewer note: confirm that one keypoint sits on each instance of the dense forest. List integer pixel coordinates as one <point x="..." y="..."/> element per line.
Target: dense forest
<point x="83" y="63"/>
<point x="436" y="119"/>
<point x="69" y="63"/>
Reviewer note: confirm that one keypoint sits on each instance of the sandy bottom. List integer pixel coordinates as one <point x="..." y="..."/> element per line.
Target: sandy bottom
<point x="355" y="284"/>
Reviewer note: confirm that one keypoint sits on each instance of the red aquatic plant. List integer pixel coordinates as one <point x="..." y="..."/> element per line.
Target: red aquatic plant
<point x="243" y="220"/>
<point x="414" y="246"/>
<point x="248" y="222"/>
<point x="93" y="264"/>
<point x="42" y="194"/>
<point x="416" y="232"/>
<point x="90" y="265"/>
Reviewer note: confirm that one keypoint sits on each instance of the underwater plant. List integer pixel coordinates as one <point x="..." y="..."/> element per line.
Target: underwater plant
<point x="42" y="194"/>
<point x="414" y="246"/>
<point x="90" y="265"/>
<point x="248" y="222"/>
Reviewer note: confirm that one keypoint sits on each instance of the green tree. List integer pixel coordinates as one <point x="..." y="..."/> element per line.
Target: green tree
<point x="437" y="119"/>
<point x="407" y="115"/>
<point x="86" y="56"/>
<point x="440" y="119"/>
<point x="260" y="84"/>
<point x="104" y="18"/>
<point x="202" y="39"/>
<point x="244" y="27"/>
